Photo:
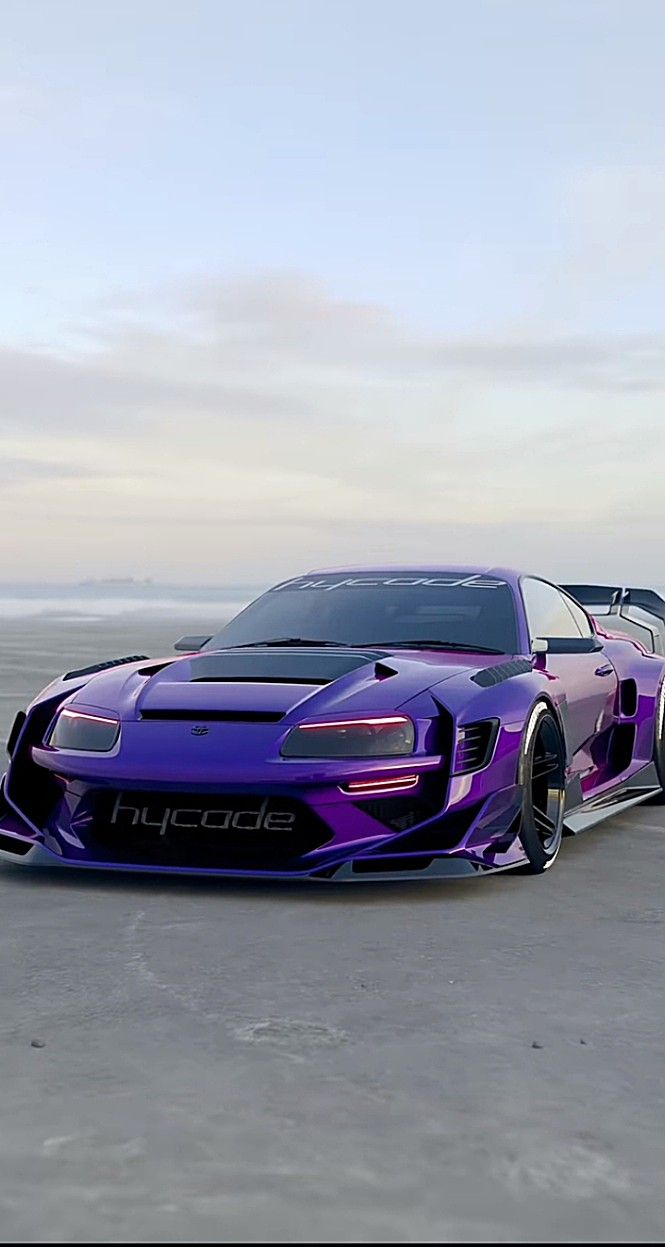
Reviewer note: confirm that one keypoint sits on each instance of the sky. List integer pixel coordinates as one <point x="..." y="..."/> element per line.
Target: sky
<point x="296" y="283"/>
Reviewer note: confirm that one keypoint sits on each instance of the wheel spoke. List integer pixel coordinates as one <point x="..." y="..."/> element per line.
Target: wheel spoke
<point x="544" y="822"/>
<point x="545" y="765"/>
<point x="544" y="796"/>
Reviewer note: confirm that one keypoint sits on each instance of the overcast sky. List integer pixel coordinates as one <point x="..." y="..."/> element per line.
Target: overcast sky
<point x="287" y="283"/>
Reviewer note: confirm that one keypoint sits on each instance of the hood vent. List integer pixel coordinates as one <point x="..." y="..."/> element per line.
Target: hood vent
<point x="383" y="672"/>
<point x="104" y="666"/>
<point x="278" y="666"/>
<point x="488" y="676"/>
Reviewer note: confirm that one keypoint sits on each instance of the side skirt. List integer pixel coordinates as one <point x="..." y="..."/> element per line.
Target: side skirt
<point x="638" y="788"/>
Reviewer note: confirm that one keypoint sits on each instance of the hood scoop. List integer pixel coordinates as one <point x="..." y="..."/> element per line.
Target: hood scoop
<point x="209" y="714"/>
<point x="282" y="666"/>
<point x="251" y="685"/>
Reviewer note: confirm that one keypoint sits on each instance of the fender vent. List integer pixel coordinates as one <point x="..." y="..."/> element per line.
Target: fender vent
<point x="104" y="666"/>
<point x="475" y="745"/>
<point x="622" y="745"/>
<point x="628" y="698"/>
<point x="502" y="671"/>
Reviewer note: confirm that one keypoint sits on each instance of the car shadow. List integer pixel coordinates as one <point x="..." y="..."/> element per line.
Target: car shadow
<point x="325" y="892"/>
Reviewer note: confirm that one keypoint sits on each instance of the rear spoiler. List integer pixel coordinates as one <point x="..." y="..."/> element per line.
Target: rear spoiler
<point x="638" y="612"/>
<point x="615" y="598"/>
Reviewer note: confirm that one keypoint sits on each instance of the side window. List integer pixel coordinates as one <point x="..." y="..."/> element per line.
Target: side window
<point x="581" y="618"/>
<point x="547" y="611"/>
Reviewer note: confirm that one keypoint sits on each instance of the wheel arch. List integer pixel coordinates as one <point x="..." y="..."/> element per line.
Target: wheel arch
<point x="543" y="699"/>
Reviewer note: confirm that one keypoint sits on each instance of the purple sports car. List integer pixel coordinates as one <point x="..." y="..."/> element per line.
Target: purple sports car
<point x="348" y="724"/>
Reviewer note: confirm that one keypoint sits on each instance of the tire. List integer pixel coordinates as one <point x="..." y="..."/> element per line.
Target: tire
<point x="659" y="747"/>
<point x="542" y="776"/>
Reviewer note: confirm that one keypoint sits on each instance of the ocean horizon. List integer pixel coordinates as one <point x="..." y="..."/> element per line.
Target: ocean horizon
<point x="94" y="600"/>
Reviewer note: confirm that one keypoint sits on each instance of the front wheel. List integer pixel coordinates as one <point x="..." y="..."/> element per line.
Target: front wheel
<point x="542" y="775"/>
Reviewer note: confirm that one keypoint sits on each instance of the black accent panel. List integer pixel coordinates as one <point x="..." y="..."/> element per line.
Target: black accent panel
<point x="252" y="679"/>
<point x="374" y="865"/>
<point x="435" y="837"/>
<point x="16" y="729"/>
<point x="502" y="671"/>
<point x="401" y="811"/>
<point x="33" y="789"/>
<point x="18" y="847"/>
<point x="475" y="745"/>
<point x="573" y="645"/>
<point x="628" y="698"/>
<point x="398" y="813"/>
<point x="617" y="596"/>
<point x="137" y="827"/>
<point x="443" y="738"/>
<point x="191" y="644"/>
<point x="279" y="666"/>
<point x="574" y="794"/>
<point x="104" y="666"/>
<point x="158" y="666"/>
<point x="215" y="716"/>
<point x="622" y="744"/>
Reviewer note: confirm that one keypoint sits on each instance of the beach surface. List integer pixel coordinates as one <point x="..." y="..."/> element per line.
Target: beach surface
<point x="205" y="1060"/>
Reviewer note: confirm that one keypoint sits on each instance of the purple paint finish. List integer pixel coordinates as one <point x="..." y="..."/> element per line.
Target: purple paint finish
<point x="197" y="781"/>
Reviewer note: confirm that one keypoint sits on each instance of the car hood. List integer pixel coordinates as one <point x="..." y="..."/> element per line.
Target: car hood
<point x="264" y="685"/>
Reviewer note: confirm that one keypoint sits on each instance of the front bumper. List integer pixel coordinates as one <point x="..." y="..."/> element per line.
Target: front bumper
<point x="473" y="832"/>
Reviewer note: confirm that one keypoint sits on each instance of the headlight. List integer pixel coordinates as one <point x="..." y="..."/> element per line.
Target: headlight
<point x="89" y="733"/>
<point x="388" y="736"/>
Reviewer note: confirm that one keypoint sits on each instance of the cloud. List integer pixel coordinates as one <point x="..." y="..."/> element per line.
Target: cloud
<point x="19" y="471"/>
<point x="265" y="420"/>
<point x="281" y="347"/>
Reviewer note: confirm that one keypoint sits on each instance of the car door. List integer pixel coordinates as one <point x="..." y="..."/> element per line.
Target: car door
<point x="587" y="680"/>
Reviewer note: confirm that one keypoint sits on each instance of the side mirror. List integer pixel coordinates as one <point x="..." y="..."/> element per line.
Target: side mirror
<point x="566" y="645"/>
<point x="190" y="644"/>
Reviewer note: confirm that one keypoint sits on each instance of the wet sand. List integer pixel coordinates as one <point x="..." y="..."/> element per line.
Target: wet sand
<point x="469" y="1061"/>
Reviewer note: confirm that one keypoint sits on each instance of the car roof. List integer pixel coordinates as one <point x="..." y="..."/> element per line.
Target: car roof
<point x="372" y="569"/>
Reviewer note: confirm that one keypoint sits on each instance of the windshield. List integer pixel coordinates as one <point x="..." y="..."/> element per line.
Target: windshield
<point x="381" y="609"/>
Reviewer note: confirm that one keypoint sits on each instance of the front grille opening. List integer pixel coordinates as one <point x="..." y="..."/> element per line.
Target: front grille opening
<point x="233" y="832"/>
<point x="438" y="836"/>
<point x="214" y="716"/>
<point x="400" y="812"/>
<point x="475" y="745"/>
<point x="381" y="865"/>
<point x="18" y="847"/>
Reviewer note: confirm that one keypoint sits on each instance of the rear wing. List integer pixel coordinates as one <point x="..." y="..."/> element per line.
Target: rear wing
<point x="639" y="613"/>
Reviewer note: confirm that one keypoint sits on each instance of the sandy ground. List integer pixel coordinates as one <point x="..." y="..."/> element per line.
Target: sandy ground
<point x="469" y="1061"/>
